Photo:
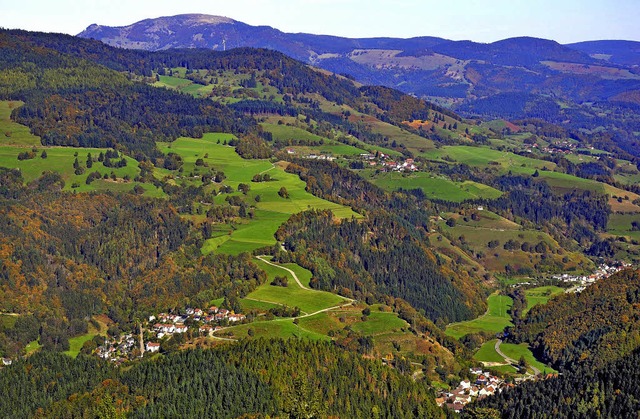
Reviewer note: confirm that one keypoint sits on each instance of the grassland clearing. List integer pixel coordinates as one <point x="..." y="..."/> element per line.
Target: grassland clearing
<point x="271" y="211"/>
<point x="433" y="187"/>
<point x="309" y="301"/>
<point x="540" y="295"/>
<point x="493" y="321"/>
<point x="12" y="133"/>
<point x="281" y="328"/>
<point x="487" y="353"/>
<point x="515" y="352"/>
<point x="485" y="156"/>
<point x="76" y="342"/>
<point x="488" y="244"/>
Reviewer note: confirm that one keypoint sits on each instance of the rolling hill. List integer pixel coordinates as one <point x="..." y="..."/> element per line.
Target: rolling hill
<point x="570" y="85"/>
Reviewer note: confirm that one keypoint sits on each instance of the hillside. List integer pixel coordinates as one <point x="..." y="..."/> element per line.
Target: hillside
<point x="202" y="201"/>
<point x="572" y="85"/>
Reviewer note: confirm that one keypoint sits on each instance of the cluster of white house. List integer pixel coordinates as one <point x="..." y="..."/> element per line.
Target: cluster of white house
<point x="117" y="350"/>
<point x="389" y="165"/>
<point x="484" y="385"/>
<point x="168" y="324"/>
<point x="582" y="281"/>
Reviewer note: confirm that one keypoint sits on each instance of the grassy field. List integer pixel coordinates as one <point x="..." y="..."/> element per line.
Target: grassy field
<point x="494" y="320"/>
<point x="485" y="156"/>
<point x="487" y="220"/>
<point x="32" y="347"/>
<point x="12" y="133"/>
<point x="433" y="187"/>
<point x="514" y="351"/>
<point x="309" y="301"/>
<point x="75" y="343"/>
<point x="282" y="328"/>
<point x="476" y="235"/>
<point x="378" y="323"/>
<point x="540" y="295"/>
<point x="487" y="352"/>
<point x="270" y="212"/>
<point x="620" y="224"/>
<point x="61" y="160"/>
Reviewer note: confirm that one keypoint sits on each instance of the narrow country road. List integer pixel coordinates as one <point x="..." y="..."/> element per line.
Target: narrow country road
<point x="510" y="360"/>
<point x="293" y="274"/>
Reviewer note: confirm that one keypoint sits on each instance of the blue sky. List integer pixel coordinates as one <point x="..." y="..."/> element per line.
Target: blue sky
<point x="479" y="20"/>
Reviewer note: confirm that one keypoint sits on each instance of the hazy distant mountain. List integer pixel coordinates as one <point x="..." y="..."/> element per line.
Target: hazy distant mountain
<point x="617" y="52"/>
<point x="517" y="77"/>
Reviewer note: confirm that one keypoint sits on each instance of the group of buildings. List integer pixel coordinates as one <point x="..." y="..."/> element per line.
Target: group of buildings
<point x="467" y="391"/>
<point x="580" y="282"/>
<point x="165" y="325"/>
<point x="387" y="165"/>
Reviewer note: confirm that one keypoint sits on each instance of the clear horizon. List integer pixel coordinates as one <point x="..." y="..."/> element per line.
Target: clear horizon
<point x="481" y="21"/>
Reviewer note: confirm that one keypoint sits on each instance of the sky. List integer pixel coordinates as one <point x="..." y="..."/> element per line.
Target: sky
<point x="565" y="21"/>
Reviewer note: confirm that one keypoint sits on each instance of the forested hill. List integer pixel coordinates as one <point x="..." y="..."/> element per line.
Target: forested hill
<point x="593" y="327"/>
<point x="611" y="391"/>
<point x="76" y="71"/>
<point x="253" y="379"/>
<point x="571" y="85"/>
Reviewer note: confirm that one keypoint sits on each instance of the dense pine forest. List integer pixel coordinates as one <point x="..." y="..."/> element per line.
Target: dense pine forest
<point x="261" y="378"/>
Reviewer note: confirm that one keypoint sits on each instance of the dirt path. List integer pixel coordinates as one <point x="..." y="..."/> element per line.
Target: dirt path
<point x="510" y="360"/>
<point x="293" y="274"/>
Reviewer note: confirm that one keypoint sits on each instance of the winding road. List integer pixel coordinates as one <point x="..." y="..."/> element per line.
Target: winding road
<point x="511" y="360"/>
<point x="293" y="274"/>
<point x="301" y="285"/>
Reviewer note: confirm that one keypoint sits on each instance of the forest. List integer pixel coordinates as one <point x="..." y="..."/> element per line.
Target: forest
<point x="592" y="328"/>
<point x="262" y="378"/>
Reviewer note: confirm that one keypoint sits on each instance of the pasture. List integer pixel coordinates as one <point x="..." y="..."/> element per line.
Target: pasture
<point x="280" y="328"/>
<point x="540" y="295"/>
<point x="308" y="300"/>
<point x="514" y="351"/>
<point x="434" y="187"/>
<point x="271" y="211"/>
<point x="487" y="352"/>
<point x="485" y="156"/>
<point x="12" y="133"/>
<point x="493" y="321"/>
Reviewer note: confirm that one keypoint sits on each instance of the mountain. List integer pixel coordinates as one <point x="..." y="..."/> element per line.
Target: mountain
<point x="625" y="53"/>
<point x="569" y="85"/>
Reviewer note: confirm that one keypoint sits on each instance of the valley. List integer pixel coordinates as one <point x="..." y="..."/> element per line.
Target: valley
<point x="294" y="227"/>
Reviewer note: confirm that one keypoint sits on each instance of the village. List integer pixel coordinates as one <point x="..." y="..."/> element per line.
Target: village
<point x="159" y="329"/>
<point x="581" y="282"/>
<point x="467" y="391"/>
<point x="378" y="160"/>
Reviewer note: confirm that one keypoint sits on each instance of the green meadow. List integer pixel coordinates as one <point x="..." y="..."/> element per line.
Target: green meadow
<point x="494" y="320"/>
<point x="434" y="187"/>
<point x="270" y="211"/>
<point x="485" y="156"/>
<point x="308" y="300"/>
<point x="487" y="352"/>
<point x="514" y="351"/>
<point x="12" y="133"/>
<point x="620" y="224"/>
<point x="540" y="295"/>
<point x="379" y="322"/>
<point x="281" y="328"/>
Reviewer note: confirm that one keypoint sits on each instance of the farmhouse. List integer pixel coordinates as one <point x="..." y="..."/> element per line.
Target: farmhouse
<point x="153" y="347"/>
